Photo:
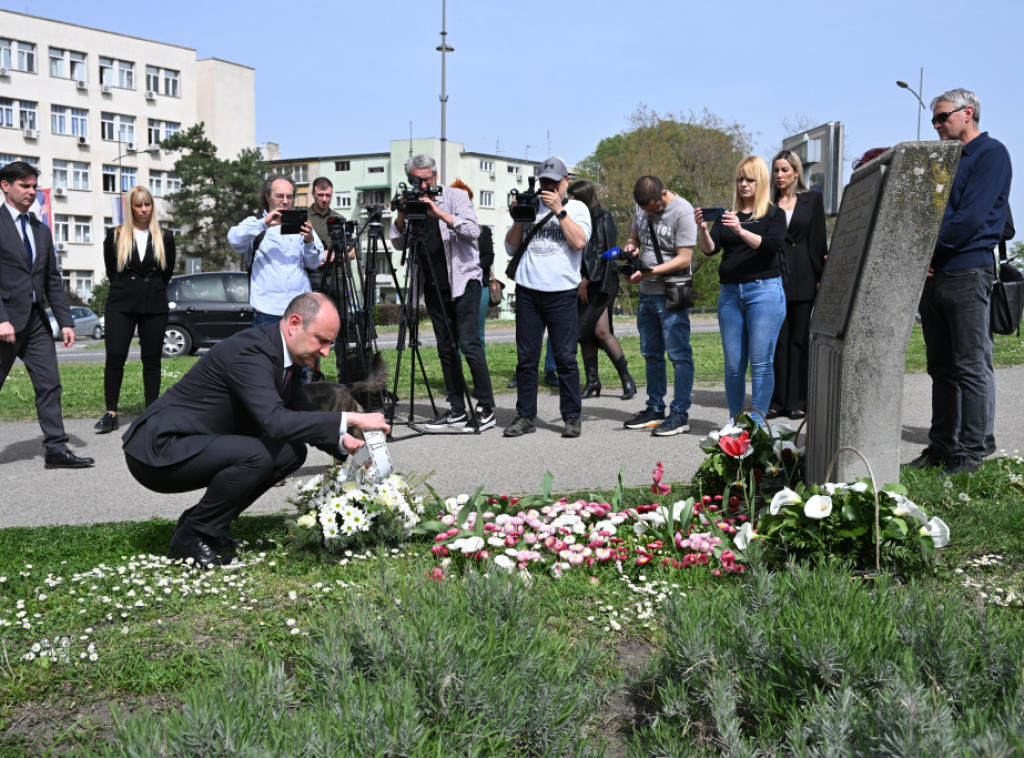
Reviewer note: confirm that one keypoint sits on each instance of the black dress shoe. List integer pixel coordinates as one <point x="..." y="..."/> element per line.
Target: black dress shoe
<point x="66" y="459"/>
<point x="228" y="544"/>
<point x="512" y="383"/>
<point x="551" y="378"/>
<point x="201" y="552"/>
<point x="773" y="413"/>
<point x="108" y="422"/>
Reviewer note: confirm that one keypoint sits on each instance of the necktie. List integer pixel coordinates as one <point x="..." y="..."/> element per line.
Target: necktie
<point x="288" y="374"/>
<point x="24" y="237"/>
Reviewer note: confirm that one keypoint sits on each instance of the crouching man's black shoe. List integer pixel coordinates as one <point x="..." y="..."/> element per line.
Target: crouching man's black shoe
<point x="201" y="552"/>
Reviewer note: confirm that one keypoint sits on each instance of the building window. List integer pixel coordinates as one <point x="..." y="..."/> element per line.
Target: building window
<point x="67" y="64"/>
<point x="171" y="79"/>
<point x="83" y="229"/>
<point x="514" y="169"/>
<point x="115" y="73"/>
<point x="153" y="78"/>
<point x="27" y="114"/>
<point x="79" y="122"/>
<point x="83" y="284"/>
<point x="60" y="174"/>
<point x="487" y="165"/>
<point x="5" y="53"/>
<point x="173" y="184"/>
<point x="6" y="112"/>
<point x="373" y="197"/>
<point x="298" y="172"/>
<point x="126" y="75"/>
<point x="78" y="67"/>
<point x="343" y="165"/>
<point x="375" y="170"/>
<point x="59" y="119"/>
<point x="164" y="183"/>
<point x="57" y="62"/>
<point x="109" y="178"/>
<point x="115" y="126"/>
<point x="80" y="175"/>
<point x="128" y="178"/>
<point x="343" y="200"/>
<point x="486" y="199"/>
<point x="163" y="81"/>
<point x="26" y="57"/>
<point x="61" y="227"/>
<point x="160" y="130"/>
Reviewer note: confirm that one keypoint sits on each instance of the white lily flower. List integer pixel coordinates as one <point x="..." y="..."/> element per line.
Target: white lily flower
<point x="743" y="537"/>
<point x="730" y="430"/>
<point x="785" y="496"/>
<point x="781" y="446"/>
<point x="939" y="531"/>
<point x="818" y="507"/>
<point x="783" y="430"/>
<point x="905" y="507"/>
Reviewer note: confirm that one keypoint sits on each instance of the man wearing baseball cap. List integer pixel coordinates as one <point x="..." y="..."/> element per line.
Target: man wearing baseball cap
<point x="545" y="265"/>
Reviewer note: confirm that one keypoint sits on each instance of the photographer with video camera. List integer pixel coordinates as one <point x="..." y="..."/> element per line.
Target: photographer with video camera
<point x="277" y="249"/>
<point x="546" y="255"/>
<point x="663" y="233"/>
<point x="451" y="281"/>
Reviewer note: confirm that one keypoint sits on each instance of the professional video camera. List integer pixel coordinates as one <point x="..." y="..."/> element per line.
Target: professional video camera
<point x="628" y="264"/>
<point x="527" y="203"/>
<point x="414" y="207"/>
<point x="339" y="228"/>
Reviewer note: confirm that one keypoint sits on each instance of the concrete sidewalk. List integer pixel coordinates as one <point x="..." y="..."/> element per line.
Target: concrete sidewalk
<point x="32" y="496"/>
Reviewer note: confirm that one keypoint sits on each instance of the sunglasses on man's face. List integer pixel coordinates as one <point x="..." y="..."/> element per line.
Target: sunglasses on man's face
<point x="941" y="118"/>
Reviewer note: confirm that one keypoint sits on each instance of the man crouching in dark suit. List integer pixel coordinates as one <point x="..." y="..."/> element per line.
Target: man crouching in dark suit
<point x="28" y="275"/>
<point x="236" y="423"/>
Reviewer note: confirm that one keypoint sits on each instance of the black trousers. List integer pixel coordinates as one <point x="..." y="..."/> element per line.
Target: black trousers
<point x="34" y="345"/>
<point x="463" y="316"/>
<point x="120" y="327"/>
<point x="234" y="469"/>
<point x="792" y="357"/>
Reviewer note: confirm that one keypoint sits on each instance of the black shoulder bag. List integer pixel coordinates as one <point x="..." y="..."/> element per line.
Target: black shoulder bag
<point x="250" y="257"/>
<point x="678" y="293"/>
<point x="1007" y="306"/>
<point x="510" y="270"/>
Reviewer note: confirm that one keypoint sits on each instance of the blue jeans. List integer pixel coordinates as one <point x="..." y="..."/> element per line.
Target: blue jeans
<point x="749" y="318"/>
<point x="259" y="318"/>
<point x="958" y="347"/>
<point x="661" y="331"/>
<point x="536" y="310"/>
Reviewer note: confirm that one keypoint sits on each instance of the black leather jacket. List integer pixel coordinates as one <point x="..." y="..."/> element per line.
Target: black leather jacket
<point x="603" y="236"/>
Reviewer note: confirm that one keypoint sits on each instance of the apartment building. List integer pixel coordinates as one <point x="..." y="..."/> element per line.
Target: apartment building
<point x="367" y="179"/>
<point x="89" y="109"/>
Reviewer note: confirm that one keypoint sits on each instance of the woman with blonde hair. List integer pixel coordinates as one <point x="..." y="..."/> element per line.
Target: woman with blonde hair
<point x="751" y="301"/>
<point x="804" y="250"/>
<point x="139" y="258"/>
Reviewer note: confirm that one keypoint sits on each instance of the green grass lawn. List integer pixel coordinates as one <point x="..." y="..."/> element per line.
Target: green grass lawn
<point x="108" y="650"/>
<point x="83" y="382"/>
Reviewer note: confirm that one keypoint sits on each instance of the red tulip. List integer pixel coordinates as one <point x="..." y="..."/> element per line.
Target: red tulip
<point x="735" y="446"/>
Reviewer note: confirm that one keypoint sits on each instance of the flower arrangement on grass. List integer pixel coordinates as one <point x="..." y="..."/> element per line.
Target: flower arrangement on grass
<point x="540" y="534"/>
<point x="745" y="456"/>
<point x="343" y="510"/>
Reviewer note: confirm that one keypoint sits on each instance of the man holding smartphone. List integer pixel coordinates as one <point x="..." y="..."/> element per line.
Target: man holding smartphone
<point x="278" y="253"/>
<point x="663" y="233"/>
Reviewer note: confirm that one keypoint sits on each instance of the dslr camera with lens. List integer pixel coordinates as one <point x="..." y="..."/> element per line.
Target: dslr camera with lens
<point x="414" y="207"/>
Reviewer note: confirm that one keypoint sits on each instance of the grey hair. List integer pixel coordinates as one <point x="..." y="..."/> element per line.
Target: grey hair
<point x="960" y="98"/>
<point x="265" y="192"/>
<point x="420" y="161"/>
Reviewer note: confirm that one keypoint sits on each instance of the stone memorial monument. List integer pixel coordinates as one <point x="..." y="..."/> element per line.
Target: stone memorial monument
<point x="877" y="262"/>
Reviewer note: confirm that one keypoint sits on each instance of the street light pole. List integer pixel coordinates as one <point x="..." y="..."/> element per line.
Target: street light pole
<point x="917" y="94"/>
<point x="443" y="49"/>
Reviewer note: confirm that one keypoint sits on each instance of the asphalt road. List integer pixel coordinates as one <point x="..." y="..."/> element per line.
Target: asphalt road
<point x="31" y="495"/>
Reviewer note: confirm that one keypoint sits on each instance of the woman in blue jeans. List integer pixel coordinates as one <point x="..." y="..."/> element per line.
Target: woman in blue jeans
<point x="751" y="302"/>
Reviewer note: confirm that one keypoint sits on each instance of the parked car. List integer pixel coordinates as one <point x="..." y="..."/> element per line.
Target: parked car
<point x="204" y="309"/>
<point x="87" y="323"/>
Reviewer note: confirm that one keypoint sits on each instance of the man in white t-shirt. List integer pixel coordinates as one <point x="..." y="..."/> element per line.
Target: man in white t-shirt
<point x="547" y="275"/>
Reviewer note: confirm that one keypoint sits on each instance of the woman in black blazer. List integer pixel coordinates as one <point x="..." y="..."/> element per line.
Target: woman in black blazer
<point x="803" y="257"/>
<point x="139" y="258"/>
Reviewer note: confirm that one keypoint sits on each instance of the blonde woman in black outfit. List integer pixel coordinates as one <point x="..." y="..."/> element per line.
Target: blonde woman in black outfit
<point x="804" y="250"/>
<point x="139" y="258"/>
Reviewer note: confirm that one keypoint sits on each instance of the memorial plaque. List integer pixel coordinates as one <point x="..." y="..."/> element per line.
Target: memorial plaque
<point x="846" y="253"/>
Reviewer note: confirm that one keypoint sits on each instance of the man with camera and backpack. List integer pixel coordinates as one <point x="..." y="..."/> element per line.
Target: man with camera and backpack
<point x="451" y="281"/>
<point x="277" y="250"/>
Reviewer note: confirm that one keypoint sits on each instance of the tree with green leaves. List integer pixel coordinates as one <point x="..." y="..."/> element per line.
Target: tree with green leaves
<point x="215" y="195"/>
<point x="694" y="155"/>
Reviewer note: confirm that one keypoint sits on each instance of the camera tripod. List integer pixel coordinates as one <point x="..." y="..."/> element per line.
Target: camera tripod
<point x="417" y="269"/>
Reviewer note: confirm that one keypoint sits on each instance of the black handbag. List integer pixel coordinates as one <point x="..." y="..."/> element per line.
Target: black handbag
<point x="678" y="291"/>
<point x="1007" y="305"/>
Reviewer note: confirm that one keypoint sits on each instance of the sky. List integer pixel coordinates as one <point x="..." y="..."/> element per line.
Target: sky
<point x="530" y="79"/>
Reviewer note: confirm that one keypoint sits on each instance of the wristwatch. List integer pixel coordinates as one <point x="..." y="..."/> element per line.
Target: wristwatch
<point x="562" y="214"/>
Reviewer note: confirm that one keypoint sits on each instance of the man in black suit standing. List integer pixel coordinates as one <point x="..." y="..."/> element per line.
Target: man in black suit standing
<point x="28" y="275"/>
<point x="236" y="423"/>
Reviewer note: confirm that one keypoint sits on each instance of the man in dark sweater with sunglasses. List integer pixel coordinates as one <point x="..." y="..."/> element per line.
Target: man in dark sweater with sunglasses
<point x="957" y="293"/>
